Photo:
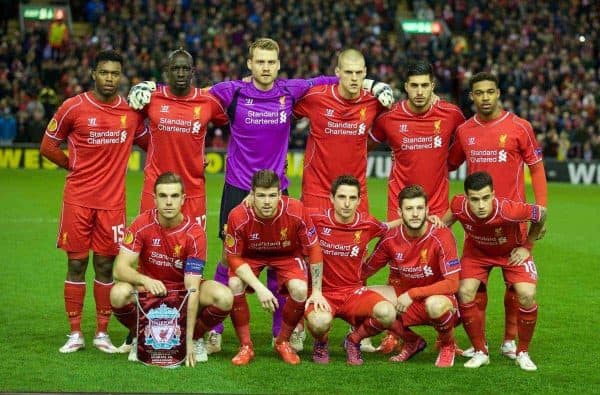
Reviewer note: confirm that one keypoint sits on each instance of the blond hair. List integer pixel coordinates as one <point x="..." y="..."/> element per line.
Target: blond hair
<point x="263" y="43"/>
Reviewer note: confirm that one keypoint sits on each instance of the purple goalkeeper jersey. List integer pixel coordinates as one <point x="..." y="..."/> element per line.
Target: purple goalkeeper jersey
<point x="260" y="123"/>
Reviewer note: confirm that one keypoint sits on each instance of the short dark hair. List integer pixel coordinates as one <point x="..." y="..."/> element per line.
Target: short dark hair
<point x="483" y="76"/>
<point x="477" y="181"/>
<point x="419" y="67"/>
<point x="345" y="179"/>
<point x="107" y="56"/>
<point x="168" y="178"/>
<point x="411" y="192"/>
<point x="179" y="52"/>
<point x="265" y="179"/>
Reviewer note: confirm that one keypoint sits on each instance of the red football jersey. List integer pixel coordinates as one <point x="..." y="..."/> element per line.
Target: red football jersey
<point x="417" y="262"/>
<point x="498" y="234"/>
<point x="285" y="235"/>
<point x="500" y="147"/>
<point x="177" y="136"/>
<point x="344" y="247"/>
<point x="337" y="143"/>
<point x="420" y="145"/>
<point x="99" y="137"/>
<point x="164" y="252"/>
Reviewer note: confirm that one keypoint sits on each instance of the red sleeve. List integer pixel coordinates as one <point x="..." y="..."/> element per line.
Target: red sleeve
<point x="234" y="238"/>
<point x="456" y="156"/>
<point x="377" y="133"/>
<point x="540" y="184"/>
<point x="447" y="286"/>
<point x="315" y="255"/>
<point x="519" y="212"/>
<point x="378" y="259"/>
<point x="307" y="233"/>
<point x="142" y="141"/>
<point x="219" y="117"/>
<point x="197" y="245"/>
<point x="133" y="239"/>
<point x="50" y="148"/>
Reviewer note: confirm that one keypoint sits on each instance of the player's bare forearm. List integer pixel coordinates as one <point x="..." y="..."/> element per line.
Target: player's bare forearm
<point x="448" y="218"/>
<point x="316" y="273"/>
<point x="245" y="273"/>
<point x="192" y="284"/>
<point x="538" y="229"/>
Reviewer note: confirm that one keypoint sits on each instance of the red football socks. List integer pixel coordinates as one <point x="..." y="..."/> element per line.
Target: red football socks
<point x="240" y="316"/>
<point x="103" y="306"/>
<point x="369" y="327"/>
<point x="511" y="314"/>
<point x="74" y="296"/>
<point x="526" y="324"/>
<point x="444" y="325"/>
<point x="472" y="322"/>
<point x="292" y="314"/>
<point x="127" y="315"/>
<point x="208" y="318"/>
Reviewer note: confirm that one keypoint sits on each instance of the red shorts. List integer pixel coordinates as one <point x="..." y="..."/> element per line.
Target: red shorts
<point x="82" y="229"/>
<point x="285" y="269"/>
<point x="479" y="267"/>
<point x="323" y="203"/>
<point x="353" y="307"/>
<point x="417" y="313"/>
<point x="194" y="207"/>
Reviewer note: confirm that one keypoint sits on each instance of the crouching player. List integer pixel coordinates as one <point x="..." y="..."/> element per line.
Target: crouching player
<point x="344" y="235"/>
<point x="496" y="236"/>
<point x="171" y="248"/>
<point x="424" y="276"/>
<point x="271" y="231"/>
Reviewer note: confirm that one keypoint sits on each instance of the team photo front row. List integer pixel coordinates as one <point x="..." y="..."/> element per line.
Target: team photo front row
<point x="320" y="260"/>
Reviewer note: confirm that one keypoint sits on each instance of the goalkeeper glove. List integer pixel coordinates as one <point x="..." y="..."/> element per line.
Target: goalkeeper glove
<point x="382" y="91"/>
<point x="139" y="95"/>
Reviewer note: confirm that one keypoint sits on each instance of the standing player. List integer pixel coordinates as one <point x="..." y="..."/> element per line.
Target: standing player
<point x="419" y="131"/>
<point x="100" y="128"/>
<point x="171" y="249"/>
<point x="494" y="237"/>
<point x="500" y="143"/>
<point x="344" y="235"/>
<point x="426" y="270"/>
<point x="341" y="116"/>
<point x="272" y="232"/>
<point x="178" y="117"/>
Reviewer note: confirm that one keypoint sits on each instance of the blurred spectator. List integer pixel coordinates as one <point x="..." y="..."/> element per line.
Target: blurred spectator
<point x="58" y="37"/>
<point x="8" y="126"/>
<point x="546" y="54"/>
<point x="218" y="141"/>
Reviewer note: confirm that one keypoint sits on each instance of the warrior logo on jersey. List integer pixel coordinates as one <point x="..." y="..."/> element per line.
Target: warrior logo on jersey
<point x="363" y="113"/>
<point x="163" y="331"/>
<point x="123" y="121"/>
<point x="471" y="140"/>
<point x="282" y="102"/>
<point x="403" y="128"/>
<point x="156" y="242"/>
<point x="329" y="112"/>
<point x="53" y="125"/>
<point x="197" y="111"/>
<point x="357" y="235"/>
<point x="283" y="234"/>
<point x="502" y="140"/>
<point x="437" y="126"/>
<point x="326" y="231"/>
<point x="128" y="238"/>
<point x="424" y="255"/>
<point x="177" y="250"/>
<point x="229" y="240"/>
<point x="164" y="108"/>
<point x="91" y="121"/>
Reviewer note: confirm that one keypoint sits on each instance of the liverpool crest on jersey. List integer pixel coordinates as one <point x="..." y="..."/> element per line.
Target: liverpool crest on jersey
<point x="502" y="140"/>
<point x="197" y="112"/>
<point x="363" y="113"/>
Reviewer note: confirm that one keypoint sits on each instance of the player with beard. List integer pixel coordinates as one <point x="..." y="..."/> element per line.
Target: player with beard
<point x="426" y="270"/>
<point x="100" y="129"/>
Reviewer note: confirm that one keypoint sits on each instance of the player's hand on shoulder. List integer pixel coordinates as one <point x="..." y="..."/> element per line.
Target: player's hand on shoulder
<point x="155" y="287"/>
<point x="518" y="256"/>
<point x="139" y="94"/>
<point x="436" y="221"/>
<point x="382" y="91"/>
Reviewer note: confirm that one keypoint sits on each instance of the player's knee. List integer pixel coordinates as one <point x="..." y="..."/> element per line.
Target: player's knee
<point x="223" y="297"/>
<point x="319" y="322"/>
<point x="466" y="294"/>
<point x="437" y="305"/>
<point x="385" y="313"/>
<point x="526" y="297"/>
<point x="76" y="269"/>
<point x="297" y="290"/>
<point x="103" y="266"/>
<point x="120" y="294"/>
<point x="236" y="285"/>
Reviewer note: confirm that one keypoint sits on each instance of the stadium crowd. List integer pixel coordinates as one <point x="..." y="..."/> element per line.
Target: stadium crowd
<point x="545" y="54"/>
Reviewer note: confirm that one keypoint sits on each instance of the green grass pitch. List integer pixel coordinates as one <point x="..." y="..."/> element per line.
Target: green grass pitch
<point x="34" y="325"/>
